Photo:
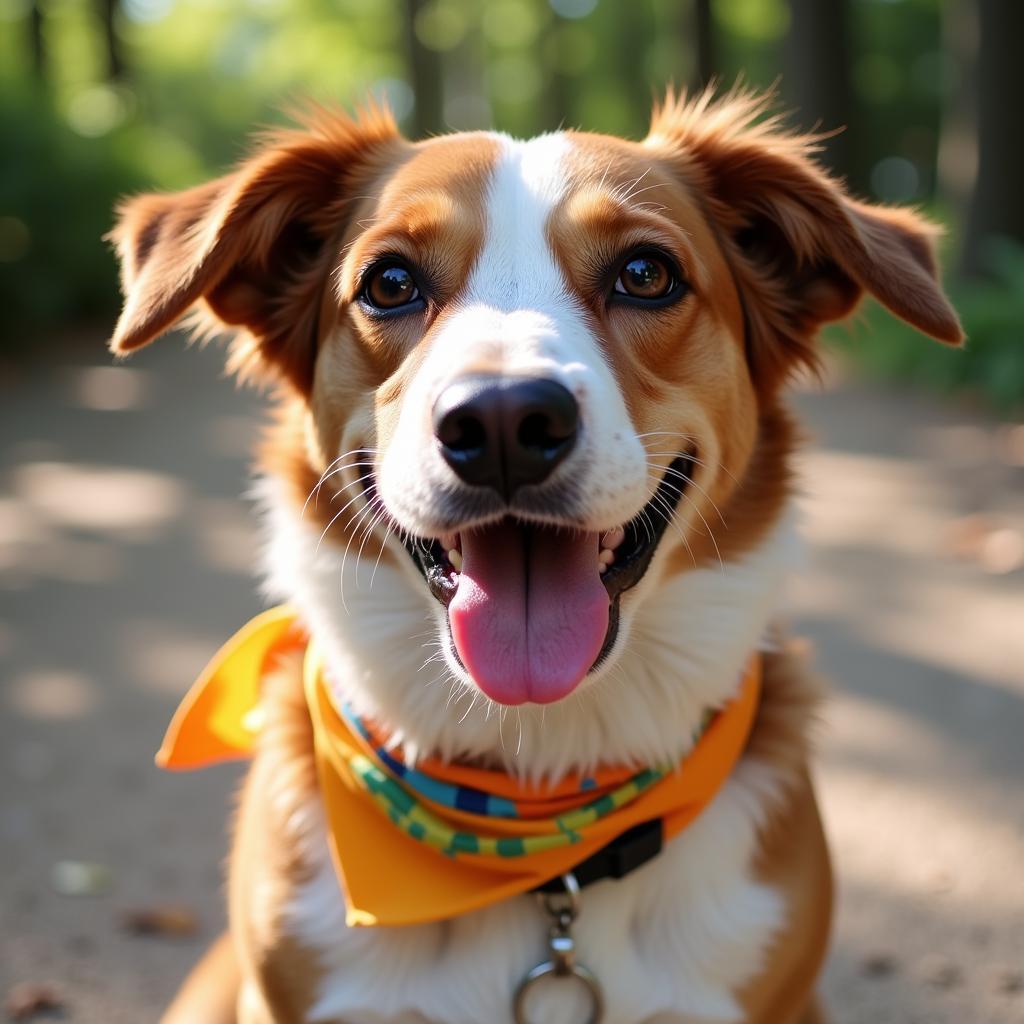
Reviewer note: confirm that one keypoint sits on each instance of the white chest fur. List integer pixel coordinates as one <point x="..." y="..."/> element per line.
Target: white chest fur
<point x="673" y="942"/>
<point x="670" y="943"/>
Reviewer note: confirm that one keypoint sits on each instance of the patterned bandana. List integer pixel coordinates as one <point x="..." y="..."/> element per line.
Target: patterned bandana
<point x="421" y="842"/>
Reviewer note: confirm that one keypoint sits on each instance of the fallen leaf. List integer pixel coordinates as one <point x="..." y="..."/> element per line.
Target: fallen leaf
<point x="160" y="920"/>
<point x="879" y="965"/>
<point x="1009" y="982"/>
<point x="941" y="972"/>
<point x="966" y="535"/>
<point x="30" y="998"/>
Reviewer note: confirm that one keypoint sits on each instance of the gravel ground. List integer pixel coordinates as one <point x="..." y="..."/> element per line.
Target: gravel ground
<point x="126" y="558"/>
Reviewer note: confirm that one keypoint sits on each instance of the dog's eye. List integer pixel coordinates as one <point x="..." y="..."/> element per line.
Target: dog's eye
<point x="648" y="277"/>
<point x="390" y="286"/>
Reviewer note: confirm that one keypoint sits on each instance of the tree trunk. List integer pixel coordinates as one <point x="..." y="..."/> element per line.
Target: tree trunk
<point x="36" y="43"/>
<point x="425" y="76"/>
<point x="997" y="205"/>
<point x="633" y="26"/>
<point x="957" y="163"/>
<point x="108" y="10"/>
<point x="691" y="28"/>
<point x="704" y="44"/>
<point x="817" y="81"/>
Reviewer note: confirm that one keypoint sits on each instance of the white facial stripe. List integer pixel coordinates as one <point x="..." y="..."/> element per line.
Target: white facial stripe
<point x="519" y="317"/>
<point x="516" y="269"/>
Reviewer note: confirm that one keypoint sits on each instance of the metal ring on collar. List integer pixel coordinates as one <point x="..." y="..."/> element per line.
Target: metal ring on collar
<point x="551" y="968"/>
<point x="562" y="908"/>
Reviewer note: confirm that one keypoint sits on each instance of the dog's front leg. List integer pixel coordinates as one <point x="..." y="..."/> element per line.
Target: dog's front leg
<point x="252" y="1007"/>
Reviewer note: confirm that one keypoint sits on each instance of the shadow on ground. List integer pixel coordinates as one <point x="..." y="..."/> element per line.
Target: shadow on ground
<point x="126" y="558"/>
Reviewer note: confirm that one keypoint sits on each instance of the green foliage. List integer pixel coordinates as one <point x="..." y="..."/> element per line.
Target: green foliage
<point x="199" y="75"/>
<point x="990" y="366"/>
<point x="58" y="192"/>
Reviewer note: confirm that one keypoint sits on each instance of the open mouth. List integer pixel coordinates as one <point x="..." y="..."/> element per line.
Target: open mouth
<point x="533" y="608"/>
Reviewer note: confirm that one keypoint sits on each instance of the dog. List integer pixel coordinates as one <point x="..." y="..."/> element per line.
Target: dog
<point x="528" y="494"/>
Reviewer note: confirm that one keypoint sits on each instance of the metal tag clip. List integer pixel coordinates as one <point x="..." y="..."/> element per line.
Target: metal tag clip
<point x="563" y="909"/>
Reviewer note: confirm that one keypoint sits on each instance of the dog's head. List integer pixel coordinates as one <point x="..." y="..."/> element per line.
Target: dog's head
<point x="547" y="369"/>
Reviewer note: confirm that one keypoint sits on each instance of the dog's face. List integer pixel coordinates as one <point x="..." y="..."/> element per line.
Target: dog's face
<point x="547" y="370"/>
<point x="561" y="362"/>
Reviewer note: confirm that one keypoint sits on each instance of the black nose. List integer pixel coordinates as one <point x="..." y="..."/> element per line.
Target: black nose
<point x="504" y="432"/>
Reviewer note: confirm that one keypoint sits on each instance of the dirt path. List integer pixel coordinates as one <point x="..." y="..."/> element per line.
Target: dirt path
<point x="126" y="558"/>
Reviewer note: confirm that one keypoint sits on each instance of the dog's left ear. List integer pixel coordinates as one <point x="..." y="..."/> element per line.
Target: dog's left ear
<point x="802" y="251"/>
<point x="253" y="247"/>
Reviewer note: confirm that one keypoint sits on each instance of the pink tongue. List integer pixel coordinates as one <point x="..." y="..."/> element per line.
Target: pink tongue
<point x="530" y="613"/>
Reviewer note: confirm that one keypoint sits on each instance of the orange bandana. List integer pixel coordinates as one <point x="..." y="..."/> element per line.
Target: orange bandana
<point x="429" y="841"/>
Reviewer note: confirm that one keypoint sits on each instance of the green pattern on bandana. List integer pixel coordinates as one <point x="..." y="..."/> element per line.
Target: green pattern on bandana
<point x="421" y="824"/>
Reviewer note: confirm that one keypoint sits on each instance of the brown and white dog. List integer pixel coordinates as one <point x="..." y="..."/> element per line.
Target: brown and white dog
<point x="551" y="370"/>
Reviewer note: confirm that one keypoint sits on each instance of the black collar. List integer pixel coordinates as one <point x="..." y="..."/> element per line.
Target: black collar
<point x="625" y="853"/>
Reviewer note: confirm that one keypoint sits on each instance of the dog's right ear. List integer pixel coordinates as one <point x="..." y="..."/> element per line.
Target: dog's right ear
<point x="254" y="245"/>
<point x="801" y="250"/>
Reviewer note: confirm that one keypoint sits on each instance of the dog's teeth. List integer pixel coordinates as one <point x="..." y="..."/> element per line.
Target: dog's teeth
<point x="613" y="538"/>
<point x="602" y="568"/>
<point x="455" y="557"/>
<point x="606" y="557"/>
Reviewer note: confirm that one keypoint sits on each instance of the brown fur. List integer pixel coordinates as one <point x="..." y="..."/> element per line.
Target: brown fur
<point x="253" y="245"/>
<point x="801" y="250"/>
<point x="268" y="857"/>
<point x="771" y="248"/>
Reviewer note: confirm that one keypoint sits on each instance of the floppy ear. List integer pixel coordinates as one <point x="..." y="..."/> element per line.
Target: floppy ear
<point x="802" y="251"/>
<point x="253" y="245"/>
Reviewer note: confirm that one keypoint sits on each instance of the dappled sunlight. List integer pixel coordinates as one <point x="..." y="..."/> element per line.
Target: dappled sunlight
<point x="903" y="841"/>
<point x="109" y="388"/>
<point x="131" y="503"/>
<point x="919" y="753"/>
<point x="75" y="560"/>
<point x="7" y="641"/>
<point x="884" y="566"/>
<point x="884" y="743"/>
<point x="226" y="535"/>
<point x="931" y="955"/>
<point x="852" y="497"/>
<point x="926" y="854"/>
<point x="933" y="632"/>
<point x="921" y="615"/>
<point x="20" y="531"/>
<point x="232" y="437"/>
<point x="31" y="549"/>
<point x="51" y="694"/>
<point x="162" y="657"/>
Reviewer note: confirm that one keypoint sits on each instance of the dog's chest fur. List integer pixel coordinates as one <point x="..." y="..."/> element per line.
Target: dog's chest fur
<point x="674" y="941"/>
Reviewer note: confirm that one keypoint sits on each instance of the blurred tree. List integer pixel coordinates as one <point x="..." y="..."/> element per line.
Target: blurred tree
<point x="690" y="30"/>
<point x="633" y="28"/>
<point x="36" y="41"/>
<point x="557" y="104"/>
<point x="997" y="204"/>
<point x="704" y="36"/>
<point x="202" y="72"/>
<point x="957" y="159"/>
<point x="425" y="74"/>
<point x="818" y="81"/>
<point x="109" y="11"/>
